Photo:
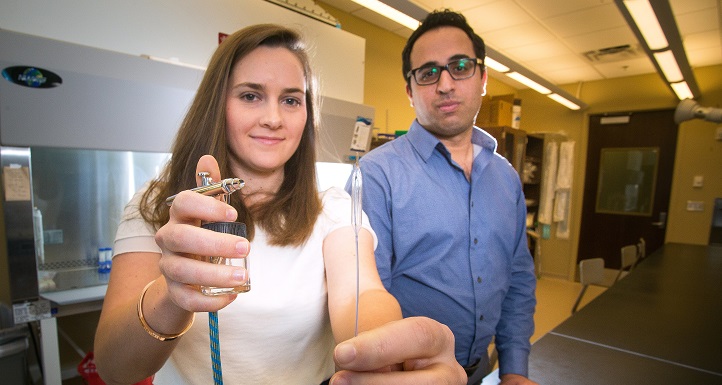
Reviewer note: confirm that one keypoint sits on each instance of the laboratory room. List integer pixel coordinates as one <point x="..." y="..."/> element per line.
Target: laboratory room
<point x="591" y="230"/>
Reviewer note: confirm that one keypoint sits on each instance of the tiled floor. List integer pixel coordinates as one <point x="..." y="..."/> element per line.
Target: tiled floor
<point x="555" y="298"/>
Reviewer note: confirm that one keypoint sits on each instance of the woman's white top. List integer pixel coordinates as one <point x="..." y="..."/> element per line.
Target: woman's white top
<point x="277" y="333"/>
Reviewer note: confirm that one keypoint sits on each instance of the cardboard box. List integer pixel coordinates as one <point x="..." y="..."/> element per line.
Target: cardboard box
<point x="500" y="113"/>
<point x="496" y="111"/>
<point x="509" y="98"/>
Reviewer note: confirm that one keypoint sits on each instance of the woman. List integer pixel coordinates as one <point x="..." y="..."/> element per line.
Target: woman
<point x="255" y="113"/>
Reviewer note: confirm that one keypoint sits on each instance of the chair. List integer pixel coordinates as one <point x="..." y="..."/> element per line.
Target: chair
<point x="641" y="250"/>
<point x="630" y="255"/>
<point x="591" y="272"/>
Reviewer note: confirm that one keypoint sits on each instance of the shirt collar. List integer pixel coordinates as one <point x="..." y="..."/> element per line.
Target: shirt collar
<point x="425" y="143"/>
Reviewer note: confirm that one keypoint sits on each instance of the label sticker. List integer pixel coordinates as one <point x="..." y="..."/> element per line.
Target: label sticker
<point x="32" y="77"/>
<point x="31" y="311"/>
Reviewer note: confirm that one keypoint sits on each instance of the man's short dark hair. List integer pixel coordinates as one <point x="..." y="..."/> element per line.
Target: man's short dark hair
<point x="437" y="19"/>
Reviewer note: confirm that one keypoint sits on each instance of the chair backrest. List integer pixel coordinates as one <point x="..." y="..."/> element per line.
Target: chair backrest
<point x="591" y="271"/>
<point x="629" y="256"/>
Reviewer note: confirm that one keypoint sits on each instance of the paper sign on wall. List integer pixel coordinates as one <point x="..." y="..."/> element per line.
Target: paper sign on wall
<point x="16" y="181"/>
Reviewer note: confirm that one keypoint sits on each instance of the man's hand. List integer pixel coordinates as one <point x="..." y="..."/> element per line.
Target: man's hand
<point x="515" y="379"/>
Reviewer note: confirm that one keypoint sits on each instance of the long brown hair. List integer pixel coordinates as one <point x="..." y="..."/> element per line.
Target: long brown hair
<point x="289" y="216"/>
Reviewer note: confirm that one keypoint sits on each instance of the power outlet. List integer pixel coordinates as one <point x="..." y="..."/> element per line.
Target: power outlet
<point x="695" y="206"/>
<point x="698" y="181"/>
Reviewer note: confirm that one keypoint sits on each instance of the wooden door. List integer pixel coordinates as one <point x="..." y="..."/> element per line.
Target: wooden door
<point x="630" y="158"/>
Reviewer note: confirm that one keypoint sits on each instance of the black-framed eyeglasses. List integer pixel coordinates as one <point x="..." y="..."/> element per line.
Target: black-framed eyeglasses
<point x="458" y="69"/>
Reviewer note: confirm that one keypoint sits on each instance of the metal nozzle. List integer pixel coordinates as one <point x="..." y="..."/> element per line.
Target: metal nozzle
<point x="224" y="187"/>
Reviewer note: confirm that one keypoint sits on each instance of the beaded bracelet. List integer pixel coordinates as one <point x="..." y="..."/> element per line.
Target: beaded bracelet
<point x="148" y="329"/>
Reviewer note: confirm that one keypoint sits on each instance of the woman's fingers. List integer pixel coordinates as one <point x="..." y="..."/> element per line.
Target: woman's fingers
<point x="192" y="208"/>
<point x="209" y="164"/>
<point x="185" y="239"/>
<point x="424" y="346"/>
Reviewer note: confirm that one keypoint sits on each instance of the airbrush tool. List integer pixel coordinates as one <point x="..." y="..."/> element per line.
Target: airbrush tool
<point x="223" y="189"/>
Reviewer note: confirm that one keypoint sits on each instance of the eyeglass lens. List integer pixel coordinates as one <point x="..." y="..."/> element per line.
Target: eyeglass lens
<point x="458" y="69"/>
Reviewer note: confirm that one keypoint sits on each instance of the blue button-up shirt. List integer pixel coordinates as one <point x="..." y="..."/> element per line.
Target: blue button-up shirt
<point x="454" y="249"/>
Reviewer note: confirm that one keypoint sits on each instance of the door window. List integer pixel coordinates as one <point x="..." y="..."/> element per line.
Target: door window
<point x="627" y="177"/>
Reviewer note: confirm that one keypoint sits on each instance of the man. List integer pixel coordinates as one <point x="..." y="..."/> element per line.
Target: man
<point x="449" y="212"/>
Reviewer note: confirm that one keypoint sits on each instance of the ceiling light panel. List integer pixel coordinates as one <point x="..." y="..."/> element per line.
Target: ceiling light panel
<point x="391" y="13"/>
<point x="528" y="82"/>
<point x="646" y="20"/>
<point x="669" y="66"/>
<point x="564" y="102"/>
<point x="682" y="90"/>
<point x="495" y="65"/>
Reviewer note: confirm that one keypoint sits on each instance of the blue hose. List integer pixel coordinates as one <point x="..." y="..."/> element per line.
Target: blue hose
<point x="215" y="348"/>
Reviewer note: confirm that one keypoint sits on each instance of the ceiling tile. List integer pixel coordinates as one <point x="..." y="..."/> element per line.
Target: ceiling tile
<point x="550" y="37"/>
<point x="557" y="63"/>
<point x="626" y="68"/>
<point x="699" y="21"/>
<point x="600" y="18"/>
<point x="704" y="57"/>
<point x="573" y="75"/>
<point x="517" y="36"/>
<point x="486" y="18"/>
<point x="547" y="49"/>
<point x="546" y="9"/>
<point x="704" y="40"/>
<point x="680" y="7"/>
<point x="601" y="39"/>
<point x="456" y="5"/>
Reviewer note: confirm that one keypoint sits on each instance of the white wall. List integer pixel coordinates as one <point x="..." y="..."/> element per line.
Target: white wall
<point x="187" y="30"/>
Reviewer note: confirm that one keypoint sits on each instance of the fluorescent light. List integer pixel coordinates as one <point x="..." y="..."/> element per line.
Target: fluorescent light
<point x="495" y="65"/>
<point x="529" y="83"/>
<point x="682" y="90"/>
<point x="563" y="101"/>
<point x="669" y="66"/>
<point x="646" y="20"/>
<point x="391" y="13"/>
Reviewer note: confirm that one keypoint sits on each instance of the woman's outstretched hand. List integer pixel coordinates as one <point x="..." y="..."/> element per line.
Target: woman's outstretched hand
<point x="415" y="350"/>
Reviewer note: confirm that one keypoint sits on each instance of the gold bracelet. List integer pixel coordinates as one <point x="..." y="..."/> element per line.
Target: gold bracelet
<point x="148" y="329"/>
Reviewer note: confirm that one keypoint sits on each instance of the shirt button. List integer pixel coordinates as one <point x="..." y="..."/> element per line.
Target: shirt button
<point x="481" y="318"/>
<point x="478" y="279"/>
<point x="472" y="203"/>
<point x="476" y="241"/>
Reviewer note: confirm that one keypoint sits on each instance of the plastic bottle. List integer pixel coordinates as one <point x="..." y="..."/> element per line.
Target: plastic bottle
<point x="38" y="234"/>
<point x="516" y="113"/>
<point x="104" y="259"/>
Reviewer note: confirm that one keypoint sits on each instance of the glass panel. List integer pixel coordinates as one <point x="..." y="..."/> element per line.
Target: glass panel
<point x="80" y="195"/>
<point x="627" y="177"/>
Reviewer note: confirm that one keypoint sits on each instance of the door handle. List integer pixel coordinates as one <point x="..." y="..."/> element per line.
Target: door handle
<point x="662" y="220"/>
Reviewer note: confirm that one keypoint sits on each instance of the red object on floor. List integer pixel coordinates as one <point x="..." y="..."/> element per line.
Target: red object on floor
<point x="86" y="369"/>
